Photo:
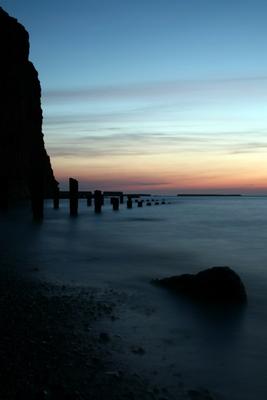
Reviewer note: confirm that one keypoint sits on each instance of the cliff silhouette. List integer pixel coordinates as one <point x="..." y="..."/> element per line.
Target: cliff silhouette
<point x="25" y="166"/>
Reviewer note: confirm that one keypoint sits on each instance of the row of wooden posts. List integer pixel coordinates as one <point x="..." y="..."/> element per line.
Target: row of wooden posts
<point x="37" y="200"/>
<point x="98" y="197"/>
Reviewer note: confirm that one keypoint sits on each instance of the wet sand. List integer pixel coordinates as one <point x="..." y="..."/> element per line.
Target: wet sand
<point x="51" y="346"/>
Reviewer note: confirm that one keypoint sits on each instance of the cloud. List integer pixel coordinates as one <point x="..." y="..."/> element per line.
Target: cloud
<point x="256" y="85"/>
<point x="127" y="144"/>
<point x="125" y="113"/>
<point x="130" y="183"/>
<point x="249" y="148"/>
<point x="118" y="144"/>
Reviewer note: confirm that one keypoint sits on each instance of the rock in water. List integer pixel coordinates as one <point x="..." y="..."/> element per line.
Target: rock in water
<point x="213" y="285"/>
<point x="24" y="162"/>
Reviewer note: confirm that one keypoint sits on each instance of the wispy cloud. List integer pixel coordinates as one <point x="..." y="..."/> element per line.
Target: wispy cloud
<point x="127" y="144"/>
<point x="256" y="85"/>
<point x="123" y="114"/>
<point x="118" y="144"/>
<point x="128" y="183"/>
<point x="249" y="147"/>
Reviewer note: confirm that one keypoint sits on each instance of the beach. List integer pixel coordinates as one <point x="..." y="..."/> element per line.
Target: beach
<point x="82" y="318"/>
<point x="50" y="349"/>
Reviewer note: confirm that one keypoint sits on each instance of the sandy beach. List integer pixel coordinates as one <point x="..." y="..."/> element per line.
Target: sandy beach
<point x="52" y="347"/>
<point x="81" y="318"/>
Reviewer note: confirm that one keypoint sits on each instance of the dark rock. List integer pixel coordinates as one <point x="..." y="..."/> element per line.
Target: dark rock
<point x="213" y="285"/>
<point x="24" y="163"/>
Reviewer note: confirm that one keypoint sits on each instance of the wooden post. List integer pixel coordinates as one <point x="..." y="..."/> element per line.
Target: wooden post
<point x="4" y="194"/>
<point x="73" y="190"/>
<point x="129" y="202"/>
<point x="121" y="198"/>
<point x="89" y="199"/>
<point x="37" y="196"/>
<point x="140" y="203"/>
<point x="56" y="198"/>
<point x="115" y="203"/>
<point x="98" y="201"/>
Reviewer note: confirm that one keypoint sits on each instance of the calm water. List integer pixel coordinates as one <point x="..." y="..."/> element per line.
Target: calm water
<point x="126" y="249"/>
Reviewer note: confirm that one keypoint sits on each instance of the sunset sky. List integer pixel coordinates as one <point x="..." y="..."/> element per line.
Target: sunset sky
<point x="162" y="96"/>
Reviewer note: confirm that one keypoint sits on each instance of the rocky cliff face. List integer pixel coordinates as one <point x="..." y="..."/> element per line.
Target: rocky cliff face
<point x="24" y="164"/>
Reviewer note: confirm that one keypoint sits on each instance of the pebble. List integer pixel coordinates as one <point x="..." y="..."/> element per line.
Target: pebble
<point x="104" y="337"/>
<point x="137" y="350"/>
<point x="113" y="373"/>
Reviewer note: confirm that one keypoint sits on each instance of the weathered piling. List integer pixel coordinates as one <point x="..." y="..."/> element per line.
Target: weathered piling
<point x="73" y="190"/>
<point x="89" y="197"/>
<point x="56" y="198"/>
<point x="121" y="198"/>
<point x="148" y="203"/>
<point x="140" y="203"/>
<point x="4" y="194"/>
<point x="129" y="202"/>
<point x="36" y="186"/>
<point x="98" y="198"/>
<point x="115" y="203"/>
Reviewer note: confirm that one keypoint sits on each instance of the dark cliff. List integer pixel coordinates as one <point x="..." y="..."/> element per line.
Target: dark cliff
<point x="24" y="164"/>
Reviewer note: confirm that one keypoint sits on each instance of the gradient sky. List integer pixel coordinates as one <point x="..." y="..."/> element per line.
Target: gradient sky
<point x="161" y="96"/>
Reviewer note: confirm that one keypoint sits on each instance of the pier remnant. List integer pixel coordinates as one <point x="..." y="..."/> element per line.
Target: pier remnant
<point x="4" y="194"/>
<point x="115" y="203"/>
<point x="129" y="202"/>
<point x="98" y="197"/>
<point x="56" y="198"/>
<point x="36" y="186"/>
<point x="89" y="197"/>
<point x="140" y="203"/>
<point x="73" y="187"/>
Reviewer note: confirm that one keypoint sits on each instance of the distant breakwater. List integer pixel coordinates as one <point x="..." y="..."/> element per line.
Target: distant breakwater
<point x="207" y="195"/>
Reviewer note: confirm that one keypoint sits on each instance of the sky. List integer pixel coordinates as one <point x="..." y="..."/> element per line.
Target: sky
<point x="152" y="96"/>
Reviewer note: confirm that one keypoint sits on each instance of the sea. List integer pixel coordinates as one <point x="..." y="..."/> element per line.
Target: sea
<point x="181" y="343"/>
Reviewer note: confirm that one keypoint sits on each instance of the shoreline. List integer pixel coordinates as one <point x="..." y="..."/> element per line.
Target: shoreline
<point x="52" y="349"/>
<point x="49" y="349"/>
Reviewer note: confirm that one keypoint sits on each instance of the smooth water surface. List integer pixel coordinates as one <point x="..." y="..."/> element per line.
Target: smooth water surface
<point x="124" y="250"/>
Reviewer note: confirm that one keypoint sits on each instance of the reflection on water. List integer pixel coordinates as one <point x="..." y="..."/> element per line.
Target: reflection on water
<point x="125" y="250"/>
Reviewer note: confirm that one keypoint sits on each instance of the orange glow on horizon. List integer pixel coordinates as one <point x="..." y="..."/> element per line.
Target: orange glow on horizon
<point x="167" y="173"/>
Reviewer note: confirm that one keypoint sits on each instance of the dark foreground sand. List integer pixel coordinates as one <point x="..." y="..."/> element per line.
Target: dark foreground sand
<point x="50" y="349"/>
